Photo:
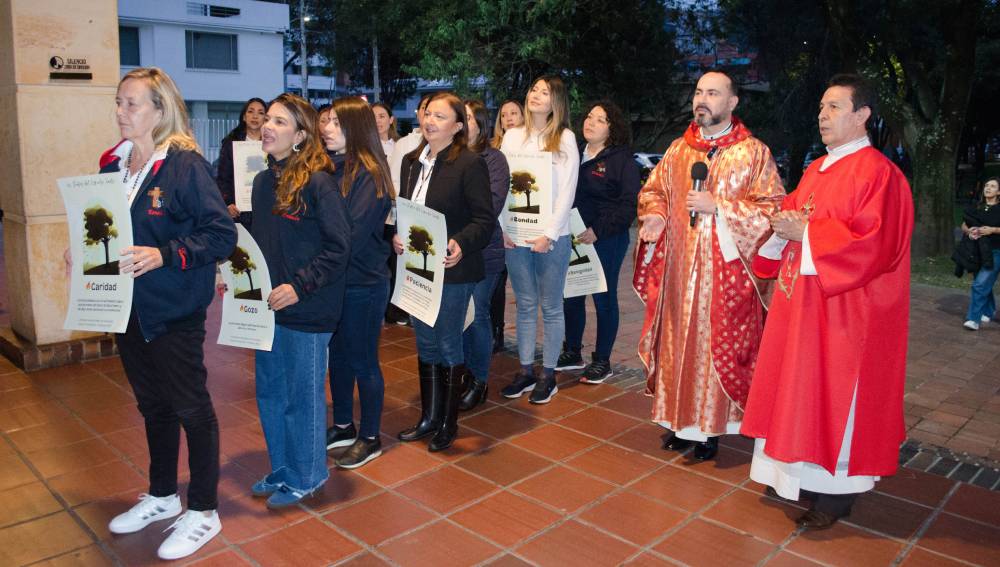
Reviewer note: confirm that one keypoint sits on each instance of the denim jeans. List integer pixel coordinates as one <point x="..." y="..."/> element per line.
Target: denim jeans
<point x="983" y="302"/>
<point x="354" y="355"/>
<point x="442" y="343"/>
<point x="478" y="338"/>
<point x="611" y="250"/>
<point x="292" y="406"/>
<point x="538" y="281"/>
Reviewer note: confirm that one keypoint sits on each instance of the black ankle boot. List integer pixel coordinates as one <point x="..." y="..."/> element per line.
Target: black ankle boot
<point x="707" y="450"/>
<point x="446" y="434"/>
<point x="474" y="393"/>
<point x="431" y="399"/>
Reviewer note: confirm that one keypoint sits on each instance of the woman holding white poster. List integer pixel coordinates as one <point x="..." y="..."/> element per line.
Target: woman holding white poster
<point x="180" y="229"/>
<point x="537" y="267"/>
<point x="303" y="230"/>
<point x="444" y="175"/>
<point x="362" y="174"/>
<point x="248" y="129"/>
<point x="607" y="193"/>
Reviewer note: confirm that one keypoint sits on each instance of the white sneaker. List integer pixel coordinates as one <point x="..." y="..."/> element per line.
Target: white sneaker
<point x="971" y="325"/>
<point x="191" y="531"/>
<point x="984" y="319"/>
<point x="149" y="509"/>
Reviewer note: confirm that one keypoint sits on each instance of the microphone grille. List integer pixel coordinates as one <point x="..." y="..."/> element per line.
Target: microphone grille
<point x="699" y="170"/>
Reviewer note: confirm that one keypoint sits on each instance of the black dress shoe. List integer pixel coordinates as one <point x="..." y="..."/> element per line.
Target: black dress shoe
<point x="816" y="520"/>
<point x="707" y="450"/>
<point x="675" y="443"/>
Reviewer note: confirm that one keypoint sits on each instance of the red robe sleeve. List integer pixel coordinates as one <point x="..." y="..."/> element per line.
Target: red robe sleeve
<point x="849" y="252"/>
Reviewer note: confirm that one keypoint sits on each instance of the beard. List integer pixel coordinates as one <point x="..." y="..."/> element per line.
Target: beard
<point x="708" y="118"/>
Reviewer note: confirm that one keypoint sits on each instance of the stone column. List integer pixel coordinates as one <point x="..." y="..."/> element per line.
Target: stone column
<point x="56" y="123"/>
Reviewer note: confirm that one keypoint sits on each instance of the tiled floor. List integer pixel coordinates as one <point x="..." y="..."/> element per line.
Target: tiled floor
<point x="581" y="481"/>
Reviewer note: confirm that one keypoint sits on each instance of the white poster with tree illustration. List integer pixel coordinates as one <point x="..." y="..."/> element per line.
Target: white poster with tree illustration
<point x="249" y="159"/>
<point x="529" y="203"/>
<point x="100" y="299"/>
<point x="420" y="268"/>
<point x="585" y="274"/>
<point x="246" y="320"/>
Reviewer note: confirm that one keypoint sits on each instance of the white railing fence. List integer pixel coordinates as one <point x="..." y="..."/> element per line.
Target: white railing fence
<point x="209" y="133"/>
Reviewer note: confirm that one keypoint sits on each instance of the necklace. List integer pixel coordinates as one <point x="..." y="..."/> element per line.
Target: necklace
<point x="138" y="174"/>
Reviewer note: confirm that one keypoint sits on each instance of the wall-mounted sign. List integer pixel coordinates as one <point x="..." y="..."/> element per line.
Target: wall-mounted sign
<point x="73" y="68"/>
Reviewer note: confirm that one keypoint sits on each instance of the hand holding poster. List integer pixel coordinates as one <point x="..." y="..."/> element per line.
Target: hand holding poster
<point x="248" y="160"/>
<point x="529" y="202"/>
<point x="100" y="299"/>
<point x="420" y="268"/>
<point x="585" y="275"/>
<point x="246" y="320"/>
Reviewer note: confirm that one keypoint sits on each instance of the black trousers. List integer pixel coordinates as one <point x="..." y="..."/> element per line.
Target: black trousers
<point x="836" y="505"/>
<point x="499" y="301"/>
<point x="168" y="378"/>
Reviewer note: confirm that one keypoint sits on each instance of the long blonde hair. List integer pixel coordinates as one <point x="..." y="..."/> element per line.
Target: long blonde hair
<point x="174" y="129"/>
<point x="310" y="158"/>
<point x="498" y="129"/>
<point x="551" y="135"/>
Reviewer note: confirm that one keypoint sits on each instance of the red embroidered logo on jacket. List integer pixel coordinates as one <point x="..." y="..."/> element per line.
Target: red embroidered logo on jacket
<point x="291" y="217"/>
<point x="599" y="170"/>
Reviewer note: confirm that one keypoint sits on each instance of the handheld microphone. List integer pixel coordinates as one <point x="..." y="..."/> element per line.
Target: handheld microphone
<point x="699" y="172"/>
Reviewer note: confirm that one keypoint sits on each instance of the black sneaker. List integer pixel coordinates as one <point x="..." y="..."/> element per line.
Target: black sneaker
<point x="340" y="436"/>
<point x="596" y="372"/>
<point x="522" y="383"/>
<point x="570" y="360"/>
<point x="545" y="388"/>
<point x="362" y="451"/>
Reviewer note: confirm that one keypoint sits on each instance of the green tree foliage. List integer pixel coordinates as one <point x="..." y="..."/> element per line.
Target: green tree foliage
<point x="921" y="55"/>
<point x="420" y="242"/>
<point x="241" y="263"/>
<point x="98" y="223"/>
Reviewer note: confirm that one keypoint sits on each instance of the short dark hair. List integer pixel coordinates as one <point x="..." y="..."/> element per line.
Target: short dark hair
<point x="862" y="93"/>
<point x="619" y="130"/>
<point x="733" y="86"/>
<point x="982" y="190"/>
<point x="482" y="118"/>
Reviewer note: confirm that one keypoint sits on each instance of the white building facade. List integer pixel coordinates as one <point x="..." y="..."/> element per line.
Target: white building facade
<point x="219" y="52"/>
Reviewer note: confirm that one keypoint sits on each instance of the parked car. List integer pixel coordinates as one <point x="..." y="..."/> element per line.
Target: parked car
<point x="646" y="162"/>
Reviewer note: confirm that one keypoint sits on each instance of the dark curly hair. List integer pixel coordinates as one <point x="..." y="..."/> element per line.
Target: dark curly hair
<point x="620" y="132"/>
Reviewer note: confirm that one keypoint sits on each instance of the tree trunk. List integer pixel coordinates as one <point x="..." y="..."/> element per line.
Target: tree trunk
<point x="527" y="195"/>
<point x="934" y="201"/>
<point x="425" y="260"/>
<point x="250" y="277"/>
<point x="107" y="257"/>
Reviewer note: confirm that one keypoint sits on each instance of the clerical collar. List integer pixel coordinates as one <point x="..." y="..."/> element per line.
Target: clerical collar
<point x="833" y="155"/>
<point x="722" y="133"/>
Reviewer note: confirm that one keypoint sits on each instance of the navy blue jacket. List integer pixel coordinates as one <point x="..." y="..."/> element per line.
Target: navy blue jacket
<point x="494" y="255"/>
<point x="369" y="249"/>
<point x="607" y="191"/>
<point x="188" y="222"/>
<point x="309" y="250"/>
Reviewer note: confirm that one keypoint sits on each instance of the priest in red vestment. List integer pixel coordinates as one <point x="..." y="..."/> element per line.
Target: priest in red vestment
<point x="704" y="310"/>
<point x="826" y="405"/>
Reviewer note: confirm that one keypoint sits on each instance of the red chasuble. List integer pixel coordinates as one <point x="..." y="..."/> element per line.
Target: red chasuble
<point x="845" y="327"/>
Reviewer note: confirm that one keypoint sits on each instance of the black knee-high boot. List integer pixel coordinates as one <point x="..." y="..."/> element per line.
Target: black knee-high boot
<point x="431" y="398"/>
<point x="453" y="389"/>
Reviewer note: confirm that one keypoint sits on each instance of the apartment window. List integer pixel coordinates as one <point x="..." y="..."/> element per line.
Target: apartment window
<point x="211" y="51"/>
<point x="128" y="46"/>
<point x="224" y="110"/>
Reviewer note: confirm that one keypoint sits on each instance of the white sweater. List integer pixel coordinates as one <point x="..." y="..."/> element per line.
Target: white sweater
<point x="565" y="170"/>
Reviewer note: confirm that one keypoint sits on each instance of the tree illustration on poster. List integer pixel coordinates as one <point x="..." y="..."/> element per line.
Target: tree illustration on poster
<point x="241" y="263"/>
<point x="98" y="224"/>
<point x="420" y="242"/>
<point x="579" y="259"/>
<point x="523" y="183"/>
